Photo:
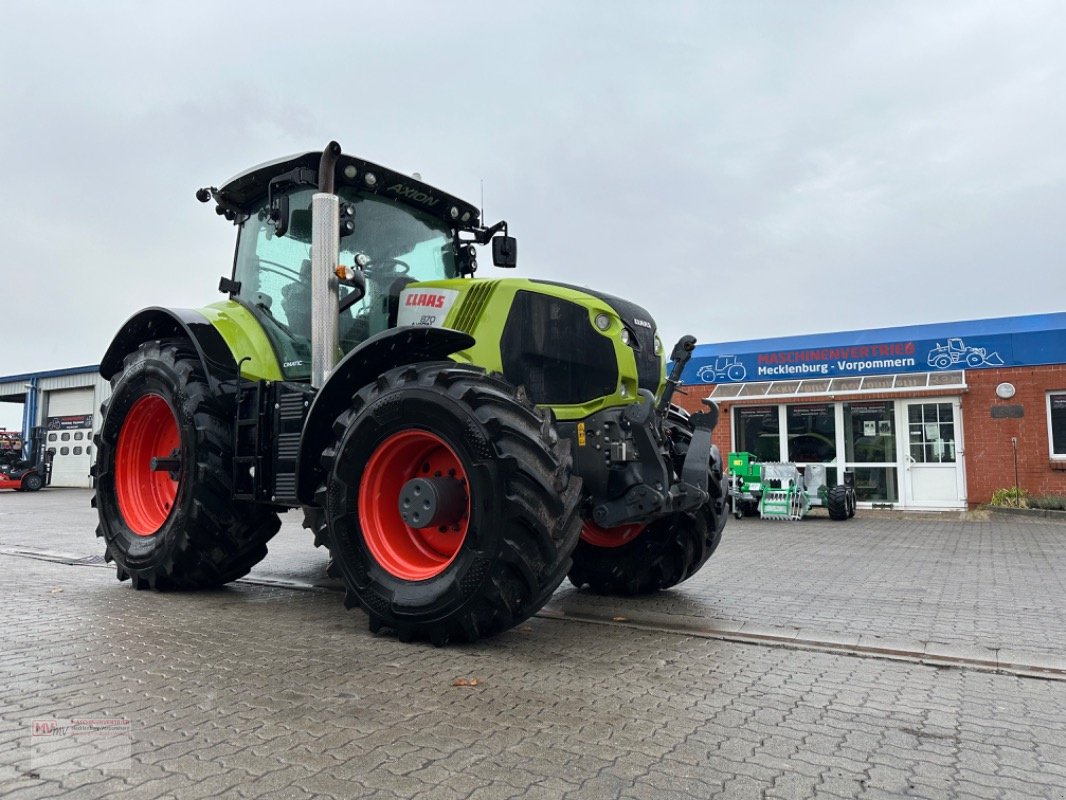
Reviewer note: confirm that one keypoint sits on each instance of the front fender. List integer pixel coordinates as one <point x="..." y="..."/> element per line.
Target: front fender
<point x="392" y="348"/>
<point x="168" y="323"/>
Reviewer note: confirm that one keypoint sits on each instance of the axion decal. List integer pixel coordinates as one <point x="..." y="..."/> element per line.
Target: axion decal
<point x="425" y="306"/>
<point x="643" y="323"/>
<point x="411" y="193"/>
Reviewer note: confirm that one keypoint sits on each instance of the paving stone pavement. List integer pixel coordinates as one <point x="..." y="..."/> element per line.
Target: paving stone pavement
<point x="259" y="691"/>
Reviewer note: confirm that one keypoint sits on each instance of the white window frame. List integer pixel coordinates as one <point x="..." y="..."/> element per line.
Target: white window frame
<point x="1050" y="431"/>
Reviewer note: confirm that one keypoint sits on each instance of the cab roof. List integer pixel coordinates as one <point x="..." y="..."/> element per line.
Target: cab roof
<point x="248" y="190"/>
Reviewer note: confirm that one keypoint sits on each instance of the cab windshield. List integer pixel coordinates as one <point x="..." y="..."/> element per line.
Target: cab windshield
<point x="402" y="244"/>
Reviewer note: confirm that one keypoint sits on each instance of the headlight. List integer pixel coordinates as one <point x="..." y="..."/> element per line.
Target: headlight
<point x="602" y="321"/>
<point x="658" y="346"/>
<point x="625" y="336"/>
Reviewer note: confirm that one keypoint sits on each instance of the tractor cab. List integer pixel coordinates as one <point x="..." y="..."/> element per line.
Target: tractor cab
<point x="394" y="230"/>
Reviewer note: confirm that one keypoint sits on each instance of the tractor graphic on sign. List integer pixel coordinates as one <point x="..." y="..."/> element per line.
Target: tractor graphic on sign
<point x="955" y="352"/>
<point x="724" y="368"/>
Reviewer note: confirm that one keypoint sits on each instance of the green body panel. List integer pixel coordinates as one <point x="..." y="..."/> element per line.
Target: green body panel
<point x="246" y="339"/>
<point x="482" y="307"/>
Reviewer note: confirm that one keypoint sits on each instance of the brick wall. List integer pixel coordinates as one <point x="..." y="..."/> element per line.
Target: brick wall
<point x="986" y="440"/>
<point x="989" y="452"/>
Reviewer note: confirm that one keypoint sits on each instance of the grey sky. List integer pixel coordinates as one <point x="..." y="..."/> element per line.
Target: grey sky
<point x="740" y="169"/>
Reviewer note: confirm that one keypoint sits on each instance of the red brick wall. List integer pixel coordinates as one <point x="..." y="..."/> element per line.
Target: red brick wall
<point x="989" y="453"/>
<point x="986" y="441"/>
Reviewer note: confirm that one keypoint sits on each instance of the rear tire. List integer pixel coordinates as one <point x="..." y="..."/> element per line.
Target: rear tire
<point x="840" y="502"/>
<point x="667" y="551"/>
<point x="179" y="530"/>
<point x="491" y="564"/>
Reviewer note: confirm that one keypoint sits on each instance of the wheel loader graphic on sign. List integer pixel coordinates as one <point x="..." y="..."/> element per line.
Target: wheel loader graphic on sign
<point x="724" y="368"/>
<point x="955" y="351"/>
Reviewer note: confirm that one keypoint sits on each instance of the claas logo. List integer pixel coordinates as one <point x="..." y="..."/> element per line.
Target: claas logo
<point x="425" y="300"/>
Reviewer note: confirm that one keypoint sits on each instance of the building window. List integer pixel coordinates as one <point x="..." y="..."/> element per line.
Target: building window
<point x="65" y="437"/>
<point x="64" y="451"/>
<point x="52" y="437"/>
<point x="1056" y="423"/>
<point x="756" y="430"/>
<point x="77" y="436"/>
<point x="812" y="433"/>
<point x="932" y="433"/>
<point x="870" y="432"/>
<point x="77" y="451"/>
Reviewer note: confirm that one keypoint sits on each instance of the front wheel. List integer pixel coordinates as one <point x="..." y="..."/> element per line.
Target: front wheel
<point x="163" y="483"/>
<point x="32" y="482"/>
<point x="448" y="507"/>
<point x="640" y="559"/>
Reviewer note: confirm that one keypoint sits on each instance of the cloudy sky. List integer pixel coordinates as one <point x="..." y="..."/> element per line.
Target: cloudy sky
<point x="741" y="169"/>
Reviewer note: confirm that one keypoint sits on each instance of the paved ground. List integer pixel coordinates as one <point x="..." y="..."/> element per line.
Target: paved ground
<point x="263" y="691"/>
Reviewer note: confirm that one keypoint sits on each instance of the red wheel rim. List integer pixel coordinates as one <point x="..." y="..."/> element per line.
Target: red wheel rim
<point x="412" y="554"/>
<point x="593" y="534"/>
<point x="146" y="496"/>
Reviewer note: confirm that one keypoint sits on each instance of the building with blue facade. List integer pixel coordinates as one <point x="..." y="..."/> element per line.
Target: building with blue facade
<point x="926" y="416"/>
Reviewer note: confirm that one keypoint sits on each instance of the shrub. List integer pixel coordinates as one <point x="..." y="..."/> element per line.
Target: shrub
<point x="1014" y="497"/>
<point x="1051" y="502"/>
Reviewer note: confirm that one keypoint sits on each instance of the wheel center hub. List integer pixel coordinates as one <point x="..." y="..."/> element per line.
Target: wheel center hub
<point x="432" y="502"/>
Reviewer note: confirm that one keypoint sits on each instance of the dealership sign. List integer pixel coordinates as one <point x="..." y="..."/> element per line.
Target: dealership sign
<point x="70" y="422"/>
<point x="932" y="348"/>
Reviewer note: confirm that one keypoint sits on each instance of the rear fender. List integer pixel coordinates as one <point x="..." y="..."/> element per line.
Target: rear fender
<point x="392" y="348"/>
<point x="170" y="323"/>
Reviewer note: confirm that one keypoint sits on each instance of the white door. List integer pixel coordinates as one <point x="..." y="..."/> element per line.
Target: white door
<point x="70" y="436"/>
<point x="932" y="458"/>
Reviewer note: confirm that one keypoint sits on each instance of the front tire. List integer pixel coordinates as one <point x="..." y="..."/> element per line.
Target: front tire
<point x="32" y="482"/>
<point x="176" y="528"/>
<point x="502" y="528"/>
<point x="634" y="559"/>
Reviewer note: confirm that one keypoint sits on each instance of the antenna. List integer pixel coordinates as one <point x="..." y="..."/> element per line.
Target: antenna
<point x="482" y="201"/>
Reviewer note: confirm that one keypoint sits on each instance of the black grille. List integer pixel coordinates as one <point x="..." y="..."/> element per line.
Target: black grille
<point x="641" y="325"/>
<point x="550" y="347"/>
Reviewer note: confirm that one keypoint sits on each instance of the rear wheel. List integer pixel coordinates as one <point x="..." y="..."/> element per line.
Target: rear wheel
<point x="163" y="482"/>
<point x="640" y="559"/>
<point x="448" y="507"/>
<point x="841" y="503"/>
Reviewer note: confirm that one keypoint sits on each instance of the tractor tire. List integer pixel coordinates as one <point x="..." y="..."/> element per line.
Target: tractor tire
<point x="840" y="502"/>
<point x="31" y="482"/>
<point x="641" y="559"/>
<point x="498" y="542"/>
<point x="179" y="529"/>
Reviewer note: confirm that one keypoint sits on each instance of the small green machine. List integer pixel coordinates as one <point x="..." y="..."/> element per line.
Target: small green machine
<point x="785" y="491"/>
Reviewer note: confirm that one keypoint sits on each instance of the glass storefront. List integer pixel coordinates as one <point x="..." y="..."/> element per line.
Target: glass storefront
<point x="812" y="433"/>
<point x="880" y="441"/>
<point x="870" y="441"/>
<point x="756" y="431"/>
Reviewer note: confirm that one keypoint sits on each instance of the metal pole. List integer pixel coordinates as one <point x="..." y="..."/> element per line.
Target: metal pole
<point x="1017" y="490"/>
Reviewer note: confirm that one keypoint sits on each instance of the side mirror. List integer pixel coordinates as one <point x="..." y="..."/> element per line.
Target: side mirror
<point x="504" y="251"/>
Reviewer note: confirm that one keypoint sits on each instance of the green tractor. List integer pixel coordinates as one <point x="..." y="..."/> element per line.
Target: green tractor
<point x="459" y="445"/>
